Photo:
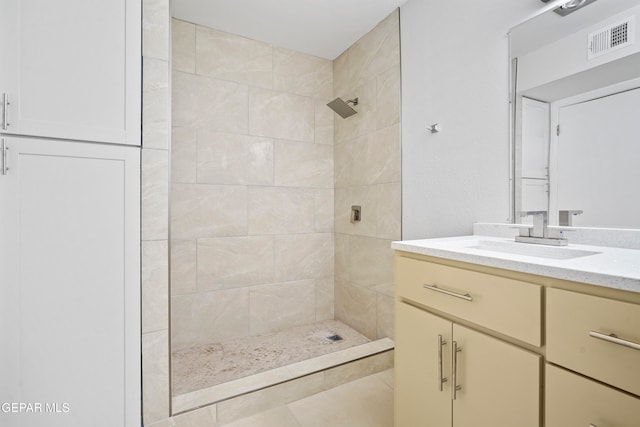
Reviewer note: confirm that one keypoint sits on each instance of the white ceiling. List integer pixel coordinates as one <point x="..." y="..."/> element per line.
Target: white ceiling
<point x="324" y="28"/>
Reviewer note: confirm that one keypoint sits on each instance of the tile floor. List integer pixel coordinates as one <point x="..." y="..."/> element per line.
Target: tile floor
<point x="367" y="402"/>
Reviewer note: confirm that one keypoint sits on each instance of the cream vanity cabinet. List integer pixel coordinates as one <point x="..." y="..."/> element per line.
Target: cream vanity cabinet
<point x="494" y="317"/>
<point x="69" y="284"/>
<point x="450" y="369"/>
<point x="597" y="340"/>
<point x="71" y="69"/>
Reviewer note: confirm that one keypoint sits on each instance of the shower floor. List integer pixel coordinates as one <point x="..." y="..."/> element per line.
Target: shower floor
<point x="203" y="366"/>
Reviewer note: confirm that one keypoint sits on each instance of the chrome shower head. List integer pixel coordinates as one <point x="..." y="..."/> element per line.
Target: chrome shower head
<point x="343" y="108"/>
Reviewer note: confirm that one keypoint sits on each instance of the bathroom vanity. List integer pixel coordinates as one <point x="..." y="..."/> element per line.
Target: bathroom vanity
<point x="490" y="332"/>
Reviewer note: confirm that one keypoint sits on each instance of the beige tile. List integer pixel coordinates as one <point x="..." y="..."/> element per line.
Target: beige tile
<point x="389" y="215"/>
<point x="356" y="307"/>
<point x="382" y="156"/>
<point x="206" y="317"/>
<point x="155" y="29"/>
<point x="202" y="210"/>
<point x="303" y="256"/>
<point x="370" y="159"/>
<point x="155" y="108"/>
<point x="386" y="377"/>
<point x="365" y="197"/>
<point x="155" y="194"/>
<point x="211" y="103"/>
<point x="324" y="298"/>
<point x="280" y="416"/>
<point x="230" y="389"/>
<point x="183" y="266"/>
<point x="156" y="135"/>
<point x="229" y="262"/>
<point x="364" y="121"/>
<point x="358" y="369"/>
<point x="225" y="158"/>
<point x="385" y="316"/>
<point x="274" y="210"/>
<point x="282" y="305"/>
<point x="371" y="261"/>
<point x="323" y="130"/>
<point x="164" y="423"/>
<point x="183" y="155"/>
<point x="302" y="74"/>
<point x="388" y="98"/>
<point x="341" y="73"/>
<point x="323" y="210"/>
<point x="366" y="402"/>
<point x="272" y="397"/>
<point x="201" y="417"/>
<point x="341" y="255"/>
<point x="376" y="51"/>
<point x="155" y="286"/>
<point x="183" y="46"/>
<point x="281" y="115"/>
<point x="300" y="164"/>
<point x="155" y="376"/>
<point x="229" y="57"/>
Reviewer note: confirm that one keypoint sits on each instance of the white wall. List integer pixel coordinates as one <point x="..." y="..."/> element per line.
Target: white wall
<point x="455" y="73"/>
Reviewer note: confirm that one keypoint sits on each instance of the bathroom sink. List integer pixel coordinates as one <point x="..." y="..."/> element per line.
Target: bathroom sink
<point x="540" y="251"/>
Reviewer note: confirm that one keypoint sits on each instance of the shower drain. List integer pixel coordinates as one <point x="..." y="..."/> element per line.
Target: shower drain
<point x="334" y="338"/>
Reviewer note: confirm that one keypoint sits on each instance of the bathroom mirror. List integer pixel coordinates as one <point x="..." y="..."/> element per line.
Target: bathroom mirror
<point x="575" y="98"/>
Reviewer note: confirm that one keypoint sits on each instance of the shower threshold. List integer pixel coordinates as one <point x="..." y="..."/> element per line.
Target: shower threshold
<point x="211" y="373"/>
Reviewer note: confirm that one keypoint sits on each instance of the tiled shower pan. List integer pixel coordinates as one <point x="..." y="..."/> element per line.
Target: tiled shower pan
<point x="214" y="373"/>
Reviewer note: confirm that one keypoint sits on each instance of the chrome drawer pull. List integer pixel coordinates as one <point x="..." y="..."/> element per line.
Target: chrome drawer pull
<point x="592" y="425"/>
<point x="465" y="297"/>
<point x="454" y="370"/>
<point x="612" y="338"/>
<point x="441" y="379"/>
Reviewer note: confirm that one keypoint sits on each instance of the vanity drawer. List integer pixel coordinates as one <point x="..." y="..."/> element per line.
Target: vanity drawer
<point x="573" y="318"/>
<point x="575" y="401"/>
<point x="508" y="306"/>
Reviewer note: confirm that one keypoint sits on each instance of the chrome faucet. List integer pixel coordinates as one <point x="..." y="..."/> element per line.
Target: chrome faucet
<point x="539" y="233"/>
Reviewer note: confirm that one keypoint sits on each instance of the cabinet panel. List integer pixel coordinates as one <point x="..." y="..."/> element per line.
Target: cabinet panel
<point x="499" y="383"/>
<point x="418" y="398"/>
<point x="70" y="283"/>
<point x="72" y="69"/>
<point x="570" y="319"/>
<point x="508" y="306"/>
<point x="575" y="401"/>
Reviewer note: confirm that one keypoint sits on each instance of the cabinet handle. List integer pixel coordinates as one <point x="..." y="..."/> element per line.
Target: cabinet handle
<point x="592" y="425"/>
<point x="5" y="157"/>
<point x="454" y="370"/>
<point x="465" y="297"/>
<point x="441" y="379"/>
<point x="5" y="111"/>
<point x="612" y="338"/>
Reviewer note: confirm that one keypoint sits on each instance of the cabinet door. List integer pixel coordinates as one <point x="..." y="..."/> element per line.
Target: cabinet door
<point x="499" y="383"/>
<point x="71" y="69"/>
<point x="69" y="284"/>
<point x="419" y="399"/>
<point x="575" y="401"/>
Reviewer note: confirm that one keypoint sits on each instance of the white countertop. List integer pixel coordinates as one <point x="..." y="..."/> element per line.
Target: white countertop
<point x="611" y="267"/>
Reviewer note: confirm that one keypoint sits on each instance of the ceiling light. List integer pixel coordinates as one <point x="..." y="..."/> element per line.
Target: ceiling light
<point x="570" y="6"/>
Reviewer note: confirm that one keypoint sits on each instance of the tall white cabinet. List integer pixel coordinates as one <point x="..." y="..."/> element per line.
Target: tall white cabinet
<point x="70" y="103"/>
<point x="71" y="69"/>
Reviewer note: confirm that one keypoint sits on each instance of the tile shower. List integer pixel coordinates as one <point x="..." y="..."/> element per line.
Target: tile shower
<point x="261" y="188"/>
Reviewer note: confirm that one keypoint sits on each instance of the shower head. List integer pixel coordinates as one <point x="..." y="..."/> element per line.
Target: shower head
<point x="343" y="108"/>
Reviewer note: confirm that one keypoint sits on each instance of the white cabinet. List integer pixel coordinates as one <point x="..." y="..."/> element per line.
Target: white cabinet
<point x="70" y="283"/>
<point x="71" y="69"/>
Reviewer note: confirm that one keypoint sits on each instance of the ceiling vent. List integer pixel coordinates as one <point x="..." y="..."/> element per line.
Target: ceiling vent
<point x="610" y="38"/>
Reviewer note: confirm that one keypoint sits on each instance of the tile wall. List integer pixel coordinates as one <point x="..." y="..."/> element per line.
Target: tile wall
<point x="363" y="264"/>
<point x="367" y="173"/>
<point x="251" y="187"/>
<point x="156" y="124"/>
